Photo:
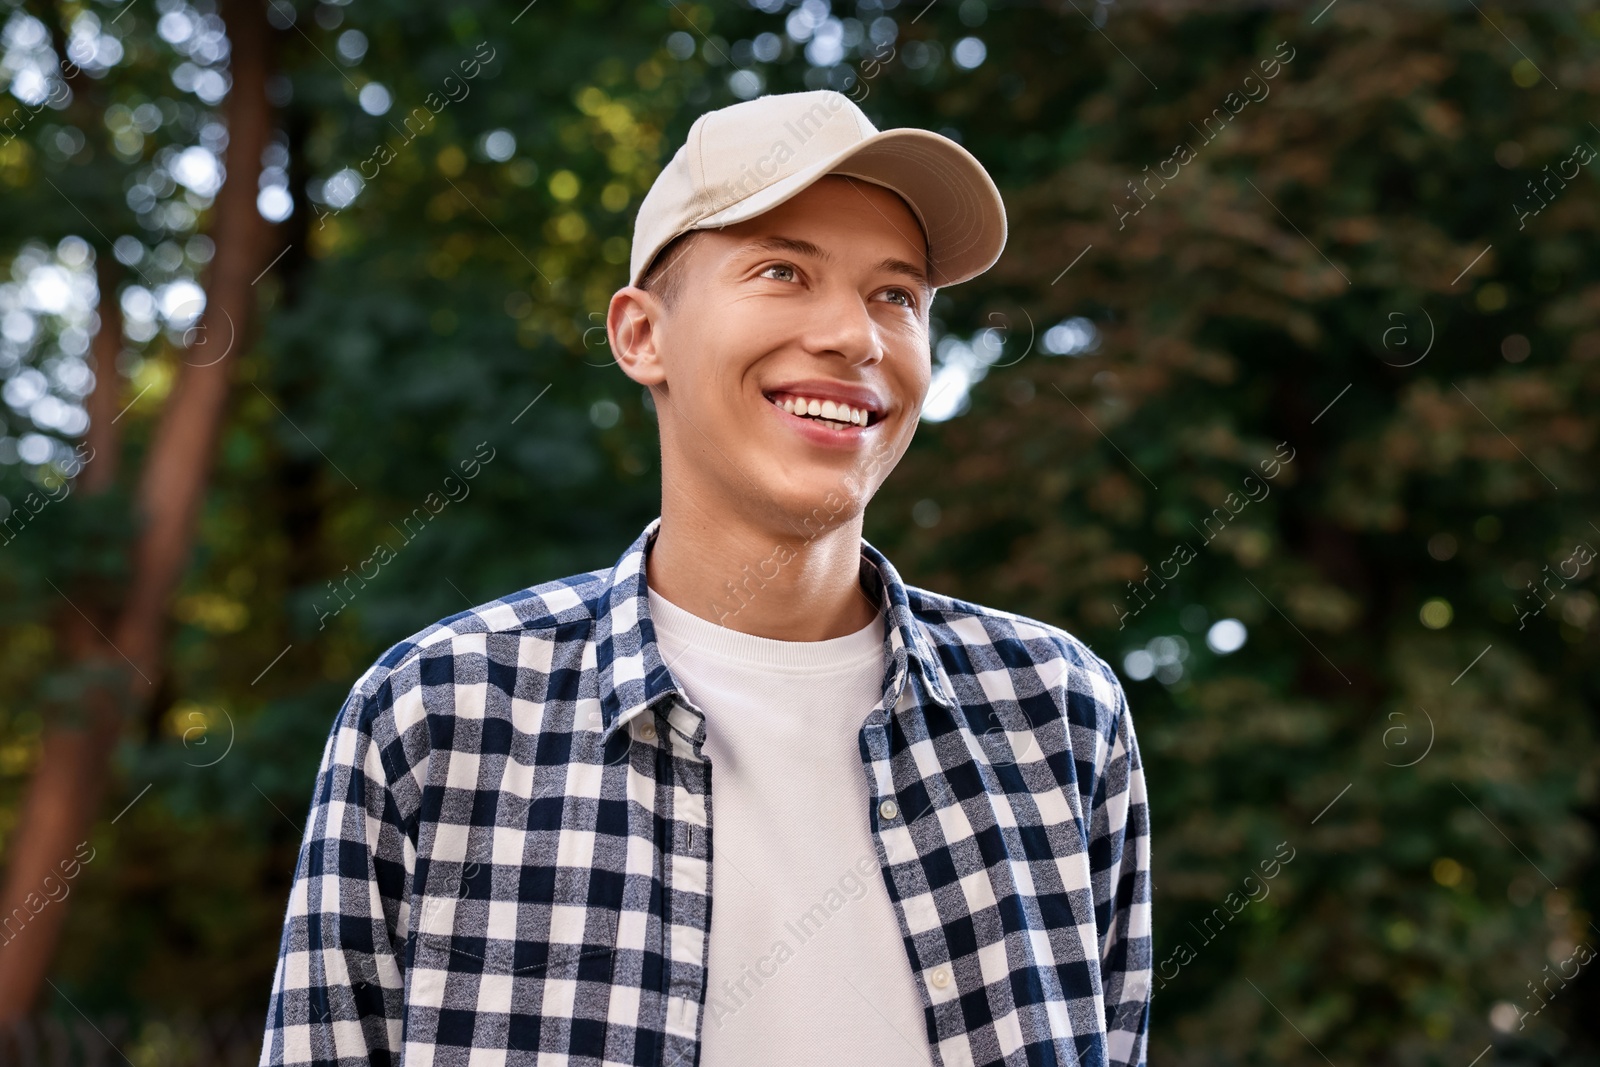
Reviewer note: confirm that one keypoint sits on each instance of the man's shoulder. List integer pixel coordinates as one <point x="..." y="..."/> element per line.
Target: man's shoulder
<point x="991" y="639"/>
<point x="538" y="611"/>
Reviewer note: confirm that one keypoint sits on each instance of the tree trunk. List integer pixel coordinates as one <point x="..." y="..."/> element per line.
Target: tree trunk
<point x="181" y="452"/>
<point x="120" y="673"/>
<point x="104" y="403"/>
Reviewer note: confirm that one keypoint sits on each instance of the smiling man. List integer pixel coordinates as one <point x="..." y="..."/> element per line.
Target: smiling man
<point x="744" y="797"/>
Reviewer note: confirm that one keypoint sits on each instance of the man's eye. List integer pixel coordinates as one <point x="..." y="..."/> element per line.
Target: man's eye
<point x="783" y="268"/>
<point x="910" y="301"/>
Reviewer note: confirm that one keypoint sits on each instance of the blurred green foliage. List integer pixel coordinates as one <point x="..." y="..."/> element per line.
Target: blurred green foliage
<point x="1432" y="771"/>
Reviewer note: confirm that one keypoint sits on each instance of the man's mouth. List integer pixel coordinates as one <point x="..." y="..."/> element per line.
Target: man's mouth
<point x="830" y="413"/>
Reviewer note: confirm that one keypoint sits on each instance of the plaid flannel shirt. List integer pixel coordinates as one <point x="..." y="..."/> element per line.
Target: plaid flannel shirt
<point x="508" y="853"/>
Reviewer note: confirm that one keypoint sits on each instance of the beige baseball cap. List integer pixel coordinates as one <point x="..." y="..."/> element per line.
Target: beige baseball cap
<point x="741" y="160"/>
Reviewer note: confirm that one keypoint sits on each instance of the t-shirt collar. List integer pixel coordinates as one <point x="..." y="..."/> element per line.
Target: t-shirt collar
<point x="633" y="676"/>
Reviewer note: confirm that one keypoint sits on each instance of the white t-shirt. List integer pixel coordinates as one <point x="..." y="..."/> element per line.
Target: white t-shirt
<point x="806" y="961"/>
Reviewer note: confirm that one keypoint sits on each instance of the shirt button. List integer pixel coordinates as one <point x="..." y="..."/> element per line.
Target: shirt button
<point x="648" y="731"/>
<point x="888" y="809"/>
<point x="941" y="977"/>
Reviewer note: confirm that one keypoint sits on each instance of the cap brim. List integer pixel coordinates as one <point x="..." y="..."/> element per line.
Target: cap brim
<point x="945" y="186"/>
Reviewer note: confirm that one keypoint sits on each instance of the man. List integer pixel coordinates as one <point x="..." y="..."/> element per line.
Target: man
<point x="745" y="797"/>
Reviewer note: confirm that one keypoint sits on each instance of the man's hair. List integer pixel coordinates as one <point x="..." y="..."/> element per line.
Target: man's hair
<point x="664" y="276"/>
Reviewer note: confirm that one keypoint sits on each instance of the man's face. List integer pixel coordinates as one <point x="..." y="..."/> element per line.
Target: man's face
<point x="822" y="298"/>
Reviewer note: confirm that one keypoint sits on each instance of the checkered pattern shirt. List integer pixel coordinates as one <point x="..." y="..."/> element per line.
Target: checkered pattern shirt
<point x="508" y="855"/>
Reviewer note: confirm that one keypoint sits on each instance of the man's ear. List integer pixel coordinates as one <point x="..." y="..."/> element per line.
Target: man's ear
<point x="633" y="326"/>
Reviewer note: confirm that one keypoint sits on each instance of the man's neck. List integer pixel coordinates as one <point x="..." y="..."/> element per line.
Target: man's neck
<point x="803" y="584"/>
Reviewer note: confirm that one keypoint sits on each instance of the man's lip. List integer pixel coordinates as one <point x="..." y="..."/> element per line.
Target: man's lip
<point x="847" y="437"/>
<point x="857" y="396"/>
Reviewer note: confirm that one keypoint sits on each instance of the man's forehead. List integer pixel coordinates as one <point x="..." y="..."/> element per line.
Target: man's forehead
<point x="830" y="193"/>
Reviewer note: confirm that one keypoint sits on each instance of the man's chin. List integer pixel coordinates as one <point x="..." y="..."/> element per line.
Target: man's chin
<point x="816" y="506"/>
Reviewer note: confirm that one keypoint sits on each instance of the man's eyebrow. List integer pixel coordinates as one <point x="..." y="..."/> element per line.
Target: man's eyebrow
<point x="891" y="264"/>
<point x="900" y="266"/>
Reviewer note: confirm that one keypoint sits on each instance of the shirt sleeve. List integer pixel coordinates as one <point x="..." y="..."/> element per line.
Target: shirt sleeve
<point x="338" y="990"/>
<point x="1119" y="862"/>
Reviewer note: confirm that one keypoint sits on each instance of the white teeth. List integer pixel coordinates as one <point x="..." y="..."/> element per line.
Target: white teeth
<point x="826" y="409"/>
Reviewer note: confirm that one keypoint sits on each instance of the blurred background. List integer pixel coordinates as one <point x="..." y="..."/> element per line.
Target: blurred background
<point x="1282" y="397"/>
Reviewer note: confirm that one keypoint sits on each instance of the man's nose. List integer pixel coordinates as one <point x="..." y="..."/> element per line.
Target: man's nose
<point x="843" y="327"/>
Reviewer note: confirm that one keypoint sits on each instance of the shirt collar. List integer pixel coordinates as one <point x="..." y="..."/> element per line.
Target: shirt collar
<point x="633" y="676"/>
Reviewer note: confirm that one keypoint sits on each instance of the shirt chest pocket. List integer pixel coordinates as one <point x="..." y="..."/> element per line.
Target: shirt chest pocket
<point x="528" y="931"/>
